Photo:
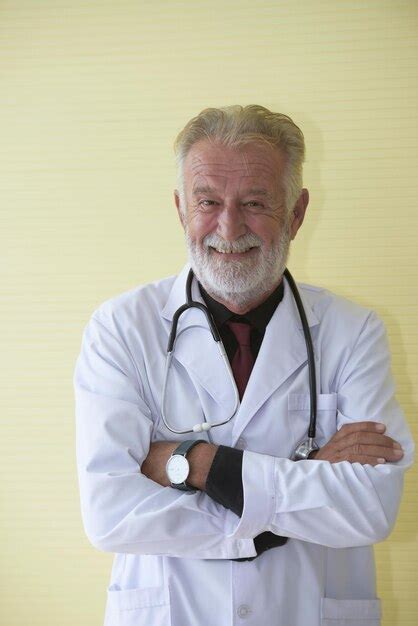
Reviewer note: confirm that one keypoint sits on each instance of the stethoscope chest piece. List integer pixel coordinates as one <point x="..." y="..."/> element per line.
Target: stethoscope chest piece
<point x="304" y="449"/>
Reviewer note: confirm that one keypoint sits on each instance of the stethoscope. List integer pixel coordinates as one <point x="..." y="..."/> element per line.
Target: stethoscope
<point x="304" y="448"/>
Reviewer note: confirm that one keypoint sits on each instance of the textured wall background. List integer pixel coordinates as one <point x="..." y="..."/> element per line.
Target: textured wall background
<point x="92" y="96"/>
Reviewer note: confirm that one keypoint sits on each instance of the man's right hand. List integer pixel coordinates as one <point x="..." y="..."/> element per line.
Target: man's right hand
<point x="360" y="442"/>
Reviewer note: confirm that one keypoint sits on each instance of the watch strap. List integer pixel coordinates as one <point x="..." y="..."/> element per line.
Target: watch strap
<point x="187" y="445"/>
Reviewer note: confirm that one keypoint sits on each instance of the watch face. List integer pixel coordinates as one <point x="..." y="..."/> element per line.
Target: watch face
<point x="177" y="469"/>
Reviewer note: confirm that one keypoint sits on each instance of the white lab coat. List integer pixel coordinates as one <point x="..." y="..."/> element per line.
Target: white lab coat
<point x="172" y="564"/>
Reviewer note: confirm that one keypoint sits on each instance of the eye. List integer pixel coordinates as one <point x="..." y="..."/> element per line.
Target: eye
<point x="207" y="204"/>
<point x="254" y="204"/>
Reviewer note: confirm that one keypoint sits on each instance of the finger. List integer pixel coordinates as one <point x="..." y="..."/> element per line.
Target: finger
<point x="389" y="454"/>
<point x="364" y="459"/>
<point x="367" y="438"/>
<point x="346" y="429"/>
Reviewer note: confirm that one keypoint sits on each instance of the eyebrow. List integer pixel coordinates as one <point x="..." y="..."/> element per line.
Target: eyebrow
<point x="202" y="189"/>
<point x="254" y="191"/>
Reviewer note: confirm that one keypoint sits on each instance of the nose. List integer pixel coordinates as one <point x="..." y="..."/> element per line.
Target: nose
<point x="231" y="222"/>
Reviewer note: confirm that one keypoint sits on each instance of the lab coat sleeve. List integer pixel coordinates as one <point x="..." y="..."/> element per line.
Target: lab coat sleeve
<point x="342" y="504"/>
<point x="122" y="510"/>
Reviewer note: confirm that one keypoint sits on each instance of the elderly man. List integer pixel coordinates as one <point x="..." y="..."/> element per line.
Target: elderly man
<point x="227" y="525"/>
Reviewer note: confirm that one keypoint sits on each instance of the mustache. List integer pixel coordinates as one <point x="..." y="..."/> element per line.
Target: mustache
<point x="242" y="244"/>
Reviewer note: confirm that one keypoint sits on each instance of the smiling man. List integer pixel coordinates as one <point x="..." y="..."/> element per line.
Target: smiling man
<point x="225" y="525"/>
<point x="237" y="223"/>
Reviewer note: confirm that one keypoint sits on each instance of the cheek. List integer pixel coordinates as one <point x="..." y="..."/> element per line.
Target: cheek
<point x="267" y="229"/>
<point x="201" y="225"/>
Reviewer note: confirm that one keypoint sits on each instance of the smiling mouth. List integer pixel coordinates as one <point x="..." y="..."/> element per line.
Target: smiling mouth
<point x="231" y="253"/>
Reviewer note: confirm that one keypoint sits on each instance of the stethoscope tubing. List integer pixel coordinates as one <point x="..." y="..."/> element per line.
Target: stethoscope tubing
<point x="189" y="304"/>
<point x="310" y="353"/>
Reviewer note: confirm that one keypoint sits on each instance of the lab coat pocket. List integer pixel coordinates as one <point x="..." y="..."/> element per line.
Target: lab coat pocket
<point x="138" y="607"/>
<point x="299" y="412"/>
<point x="350" y="612"/>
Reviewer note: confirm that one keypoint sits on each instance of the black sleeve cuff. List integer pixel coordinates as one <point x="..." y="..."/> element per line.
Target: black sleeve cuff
<point x="224" y="481"/>
<point x="224" y="485"/>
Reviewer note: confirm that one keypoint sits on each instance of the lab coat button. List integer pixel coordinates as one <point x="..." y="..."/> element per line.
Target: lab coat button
<point x="243" y="611"/>
<point x="241" y="443"/>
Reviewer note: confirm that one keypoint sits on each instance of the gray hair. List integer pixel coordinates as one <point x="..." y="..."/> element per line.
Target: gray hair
<point x="235" y="126"/>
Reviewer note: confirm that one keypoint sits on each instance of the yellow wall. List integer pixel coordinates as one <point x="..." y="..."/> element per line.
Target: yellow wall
<point x="92" y="96"/>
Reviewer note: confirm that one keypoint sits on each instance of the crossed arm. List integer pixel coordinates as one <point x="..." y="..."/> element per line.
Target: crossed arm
<point x="361" y="442"/>
<point x="125" y="510"/>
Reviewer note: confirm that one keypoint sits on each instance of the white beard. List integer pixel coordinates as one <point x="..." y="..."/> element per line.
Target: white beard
<point x="243" y="281"/>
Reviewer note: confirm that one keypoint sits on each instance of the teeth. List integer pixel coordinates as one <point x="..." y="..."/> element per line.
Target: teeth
<point x="230" y="251"/>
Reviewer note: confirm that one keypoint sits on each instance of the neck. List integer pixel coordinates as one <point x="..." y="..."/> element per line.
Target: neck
<point x="241" y="309"/>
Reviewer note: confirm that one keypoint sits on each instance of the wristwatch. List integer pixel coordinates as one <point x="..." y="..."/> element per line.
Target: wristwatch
<point x="178" y="468"/>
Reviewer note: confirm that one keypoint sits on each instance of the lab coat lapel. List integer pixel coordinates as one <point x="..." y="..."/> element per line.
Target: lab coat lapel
<point x="195" y="347"/>
<point x="282" y="352"/>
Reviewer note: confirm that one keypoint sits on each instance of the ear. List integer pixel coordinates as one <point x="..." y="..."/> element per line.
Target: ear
<point x="299" y="211"/>
<point x="178" y="206"/>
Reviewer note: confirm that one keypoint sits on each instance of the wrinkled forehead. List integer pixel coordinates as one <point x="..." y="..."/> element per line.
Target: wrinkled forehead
<point x="249" y="163"/>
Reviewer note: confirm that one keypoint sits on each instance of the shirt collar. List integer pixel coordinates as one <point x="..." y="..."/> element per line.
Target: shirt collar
<point x="258" y="317"/>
